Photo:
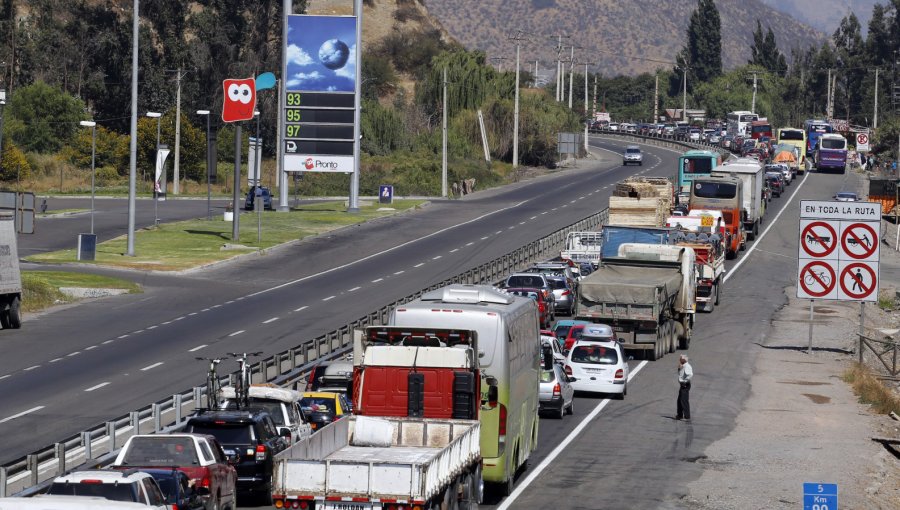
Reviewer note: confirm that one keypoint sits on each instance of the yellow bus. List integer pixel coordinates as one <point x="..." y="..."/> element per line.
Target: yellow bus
<point x="509" y="355"/>
<point x="797" y="138"/>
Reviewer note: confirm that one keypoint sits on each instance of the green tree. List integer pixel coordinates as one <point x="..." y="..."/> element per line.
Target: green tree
<point x="42" y="118"/>
<point x="851" y="58"/>
<point x="702" y="53"/>
<point x="13" y="163"/>
<point x="764" y="52"/>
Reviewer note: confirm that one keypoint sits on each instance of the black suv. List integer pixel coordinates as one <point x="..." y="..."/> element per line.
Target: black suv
<point x="250" y="439"/>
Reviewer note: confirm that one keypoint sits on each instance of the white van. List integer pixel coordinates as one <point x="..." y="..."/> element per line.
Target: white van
<point x="282" y="403"/>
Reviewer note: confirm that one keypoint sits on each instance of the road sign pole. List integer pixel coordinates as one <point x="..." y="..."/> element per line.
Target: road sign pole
<point x="809" y="345"/>
<point x="862" y="325"/>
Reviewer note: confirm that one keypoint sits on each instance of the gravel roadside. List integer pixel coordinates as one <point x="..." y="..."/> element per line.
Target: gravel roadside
<point x="802" y="422"/>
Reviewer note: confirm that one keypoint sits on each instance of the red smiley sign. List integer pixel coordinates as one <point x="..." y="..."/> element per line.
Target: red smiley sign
<point x="240" y="99"/>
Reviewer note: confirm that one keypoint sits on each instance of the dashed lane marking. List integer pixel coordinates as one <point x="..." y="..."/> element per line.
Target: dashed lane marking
<point x="236" y="333"/>
<point x="483" y="238"/>
<point x="110" y="341"/>
<point x="454" y="250"/>
<point x="399" y="272"/>
<point x="97" y="387"/>
<point x="470" y="243"/>
<point x="420" y="264"/>
<point x="76" y="353"/>
<point x="150" y="367"/>
<point x="435" y="258"/>
<point x="123" y="336"/>
<point x="301" y="308"/>
<point x="5" y="376"/>
<point x="329" y="298"/>
<point x="195" y="349"/>
<point x="152" y="327"/>
<point x="54" y="360"/>
<point x="533" y="217"/>
<point x="273" y="319"/>
<point x="23" y="413"/>
<point x="90" y="348"/>
<point x="377" y="280"/>
<point x="29" y="369"/>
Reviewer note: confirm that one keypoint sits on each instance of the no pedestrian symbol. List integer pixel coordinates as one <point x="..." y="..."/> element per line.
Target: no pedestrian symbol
<point x="859" y="241"/>
<point x="858" y="280"/>
<point x="817" y="279"/>
<point x="818" y="239"/>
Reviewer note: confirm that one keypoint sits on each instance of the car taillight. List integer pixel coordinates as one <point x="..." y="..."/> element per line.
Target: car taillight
<point x="91" y="482"/>
<point x="556" y="389"/>
<point x="303" y="504"/>
<point x="566" y="292"/>
<point x="260" y="452"/>
<point x="620" y="373"/>
<point x="502" y="426"/>
<point x="204" y="482"/>
<point x="174" y="506"/>
<point x="568" y="371"/>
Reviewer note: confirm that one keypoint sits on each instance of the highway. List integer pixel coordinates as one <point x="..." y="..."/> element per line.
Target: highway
<point x="85" y="364"/>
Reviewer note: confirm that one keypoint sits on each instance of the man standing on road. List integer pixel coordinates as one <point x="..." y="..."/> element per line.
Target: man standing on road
<point x="685" y="374"/>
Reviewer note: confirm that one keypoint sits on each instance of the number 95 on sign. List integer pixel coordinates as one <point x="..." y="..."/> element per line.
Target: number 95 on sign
<point x="820" y="496"/>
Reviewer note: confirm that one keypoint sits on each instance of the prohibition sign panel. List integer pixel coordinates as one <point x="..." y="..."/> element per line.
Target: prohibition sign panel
<point x="817" y="280"/>
<point x="858" y="281"/>
<point x="859" y="241"/>
<point x="819" y="239"/>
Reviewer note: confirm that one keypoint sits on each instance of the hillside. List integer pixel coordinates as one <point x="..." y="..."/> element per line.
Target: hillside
<point x="826" y="15"/>
<point x="615" y="34"/>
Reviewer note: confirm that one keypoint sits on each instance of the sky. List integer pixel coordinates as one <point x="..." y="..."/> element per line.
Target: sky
<point x="305" y="71"/>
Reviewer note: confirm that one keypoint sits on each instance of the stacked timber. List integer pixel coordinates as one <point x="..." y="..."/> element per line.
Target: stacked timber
<point x="640" y="202"/>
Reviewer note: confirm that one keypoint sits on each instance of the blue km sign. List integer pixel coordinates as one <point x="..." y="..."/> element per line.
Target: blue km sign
<point x="820" y="496"/>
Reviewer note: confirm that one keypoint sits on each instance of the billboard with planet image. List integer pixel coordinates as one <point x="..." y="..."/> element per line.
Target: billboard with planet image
<point x="321" y="53"/>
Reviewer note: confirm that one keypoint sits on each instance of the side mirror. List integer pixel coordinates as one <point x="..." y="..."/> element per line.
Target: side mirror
<point x="573" y="379"/>
<point x="493" y="393"/>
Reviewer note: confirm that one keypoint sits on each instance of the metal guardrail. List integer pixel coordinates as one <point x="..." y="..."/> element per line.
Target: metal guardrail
<point x="662" y="141"/>
<point x="98" y="445"/>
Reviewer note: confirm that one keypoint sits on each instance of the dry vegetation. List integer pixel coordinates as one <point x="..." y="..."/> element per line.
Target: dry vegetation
<point x="871" y="390"/>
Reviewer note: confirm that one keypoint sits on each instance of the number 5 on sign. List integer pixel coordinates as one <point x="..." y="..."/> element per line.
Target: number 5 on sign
<point x="820" y="496"/>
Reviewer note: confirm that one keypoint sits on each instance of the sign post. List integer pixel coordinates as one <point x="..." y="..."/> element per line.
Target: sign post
<point x="862" y="142"/>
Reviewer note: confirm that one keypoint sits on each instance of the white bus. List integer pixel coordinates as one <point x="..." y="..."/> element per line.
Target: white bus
<point x="509" y="351"/>
<point x="739" y="122"/>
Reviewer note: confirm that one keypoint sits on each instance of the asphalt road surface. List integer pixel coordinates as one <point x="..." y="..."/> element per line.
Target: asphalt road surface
<point x="85" y="364"/>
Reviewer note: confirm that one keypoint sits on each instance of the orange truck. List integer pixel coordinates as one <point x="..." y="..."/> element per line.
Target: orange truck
<point x="725" y="194"/>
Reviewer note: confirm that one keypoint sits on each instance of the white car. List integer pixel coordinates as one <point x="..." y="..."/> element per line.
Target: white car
<point x="551" y="342"/>
<point x="846" y="196"/>
<point x="694" y="135"/>
<point x="132" y="486"/>
<point x="597" y="362"/>
<point x="613" y="126"/>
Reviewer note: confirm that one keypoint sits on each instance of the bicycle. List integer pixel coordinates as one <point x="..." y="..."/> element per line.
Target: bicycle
<point x="242" y="385"/>
<point x="825" y="279"/>
<point x="213" y="385"/>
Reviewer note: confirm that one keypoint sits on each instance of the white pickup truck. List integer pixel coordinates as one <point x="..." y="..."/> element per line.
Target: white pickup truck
<point x="419" y="461"/>
<point x="583" y="247"/>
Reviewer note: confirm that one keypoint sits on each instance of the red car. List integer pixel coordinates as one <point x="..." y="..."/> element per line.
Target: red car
<point x="575" y="335"/>
<point x="545" y="308"/>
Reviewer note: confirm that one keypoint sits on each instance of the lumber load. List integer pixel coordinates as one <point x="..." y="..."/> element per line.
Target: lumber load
<point x="638" y="212"/>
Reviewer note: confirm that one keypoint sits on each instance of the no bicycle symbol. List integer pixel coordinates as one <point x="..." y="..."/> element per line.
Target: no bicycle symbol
<point x="817" y="279"/>
<point x="859" y="241"/>
<point x="858" y="280"/>
<point x="818" y="239"/>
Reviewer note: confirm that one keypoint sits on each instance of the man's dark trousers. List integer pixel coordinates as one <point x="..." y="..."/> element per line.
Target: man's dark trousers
<point x="684" y="405"/>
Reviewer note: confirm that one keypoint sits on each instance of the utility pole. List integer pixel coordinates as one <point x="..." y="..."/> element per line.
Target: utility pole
<point x="753" y="102"/>
<point x="656" y="101"/>
<point x="875" y="115"/>
<point x="444" y="140"/>
<point x="684" y="95"/>
<point x="571" y="75"/>
<point x="535" y="73"/>
<point x="132" y="165"/>
<point x="558" y="64"/>
<point x="828" y="97"/>
<point x="586" y="64"/>
<point x="596" y="79"/>
<point x="177" y="170"/>
<point x="515" y="163"/>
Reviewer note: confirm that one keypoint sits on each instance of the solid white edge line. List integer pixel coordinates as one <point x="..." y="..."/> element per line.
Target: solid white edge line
<point x="533" y="474"/>
<point x="357" y="261"/>
<point x="97" y="387"/>
<point x="766" y="231"/>
<point x="158" y="363"/>
<point x="195" y="349"/>
<point x="23" y="413"/>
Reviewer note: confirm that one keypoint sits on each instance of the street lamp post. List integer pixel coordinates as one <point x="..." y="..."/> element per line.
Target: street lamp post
<point x="2" y="106"/>
<point x="208" y="164"/>
<point x="93" y="125"/>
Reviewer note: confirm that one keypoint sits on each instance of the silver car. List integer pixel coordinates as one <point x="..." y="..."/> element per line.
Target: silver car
<point x="563" y="294"/>
<point x="556" y="396"/>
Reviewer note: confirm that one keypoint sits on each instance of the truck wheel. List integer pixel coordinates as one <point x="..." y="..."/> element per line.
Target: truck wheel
<point x="15" y="318"/>
<point x="4" y="319"/>
<point x="710" y="305"/>
<point x="718" y="290"/>
<point x="673" y="336"/>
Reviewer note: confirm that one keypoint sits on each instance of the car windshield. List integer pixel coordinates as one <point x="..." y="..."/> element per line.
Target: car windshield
<point x="113" y="491"/>
<point x="562" y="331"/>
<point x="594" y="355"/>
<point x="846" y="195"/>
<point x="633" y="151"/>
<point x="701" y="165"/>
<point x="273" y="407"/>
<point x="575" y="332"/>
<point x="163" y="451"/>
<point x="792" y="135"/>
<point x="225" y="433"/>
<point x="317" y="405"/>
<point x="525" y="293"/>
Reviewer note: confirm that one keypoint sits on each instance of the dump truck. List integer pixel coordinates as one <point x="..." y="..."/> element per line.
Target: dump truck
<point x="705" y="233"/>
<point x="415" y="437"/>
<point x="582" y="247"/>
<point x="646" y="293"/>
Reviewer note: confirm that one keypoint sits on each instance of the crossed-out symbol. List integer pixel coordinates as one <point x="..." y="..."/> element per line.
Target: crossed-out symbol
<point x="826" y="241"/>
<point x="859" y="235"/>
<point x="862" y="285"/>
<point x="811" y="275"/>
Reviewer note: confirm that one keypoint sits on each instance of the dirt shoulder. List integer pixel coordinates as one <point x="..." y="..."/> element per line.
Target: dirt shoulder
<point x="802" y="422"/>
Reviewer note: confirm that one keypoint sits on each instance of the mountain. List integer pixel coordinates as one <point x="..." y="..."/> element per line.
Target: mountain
<point x="620" y="37"/>
<point x="826" y="15"/>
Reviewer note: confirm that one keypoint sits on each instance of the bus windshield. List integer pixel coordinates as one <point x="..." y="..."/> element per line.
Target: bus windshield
<point x="762" y="128"/>
<point x="792" y="135"/>
<point x="697" y="166"/>
<point x="715" y="190"/>
<point x="749" y="118"/>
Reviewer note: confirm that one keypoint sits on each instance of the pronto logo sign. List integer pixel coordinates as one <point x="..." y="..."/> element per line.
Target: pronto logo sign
<point x="309" y="164"/>
<point x="314" y="163"/>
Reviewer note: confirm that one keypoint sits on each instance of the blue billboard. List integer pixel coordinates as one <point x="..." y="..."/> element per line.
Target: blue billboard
<point x="321" y="53"/>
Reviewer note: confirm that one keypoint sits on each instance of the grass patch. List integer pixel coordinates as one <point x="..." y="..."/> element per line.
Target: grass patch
<point x="40" y="289"/>
<point x="887" y="302"/>
<point x="187" y="244"/>
<point x="871" y="390"/>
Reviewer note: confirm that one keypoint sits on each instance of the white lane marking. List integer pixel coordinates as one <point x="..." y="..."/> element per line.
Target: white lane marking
<point x="305" y="307"/>
<point x="192" y="314"/>
<point x="148" y="367"/>
<point x="512" y="227"/>
<point x="329" y="298"/>
<point x="205" y="310"/>
<point x="498" y="232"/>
<point x="401" y="245"/>
<point x="179" y="318"/>
<point x="90" y="348"/>
<point x="97" y="387"/>
<point x="23" y="413"/>
<point x="215" y="306"/>
<point x="138" y="331"/>
<point x="604" y="187"/>
<point x="572" y="201"/>
<point x="236" y="333"/>
<point x="581" y="197"/>
<point x="7" y="375"/>
<point x="470" y="243"/>
<point x="555" y="208"/>
<point x="167" y="322"/>
<point x="766" y="231"/>
<point x="591" y="193"/>
<point x="533" y="473"/>
<point x="54" y="360"/>
<point x="31" y="368"/>
<point x="454" y="250"/>
<point x="110" y="341"/>
<point x="195" y="349"/>
<point x="76" y="353"/>
<point x="420" y="264"/>
<point x="229" y="302"/>
<point x="564" y="206"/>
<point x="533" y="217"/>
<point x="399" y="272"/>
<point x="521" y="223"/>
<point x="123" y="336"/>
<point x="543" y="213"/>
<point x="435" y="258"/>
<point x="152" y="327"/>
<point x="483" y="238"/>
<point x="273" y="319"/>
<point x="377" y="280"/>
